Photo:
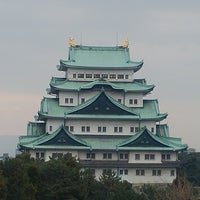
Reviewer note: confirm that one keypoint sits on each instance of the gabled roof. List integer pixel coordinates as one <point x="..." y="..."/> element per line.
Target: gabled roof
<point x="50" y="109"/>
<point x="60" y="139"/>
<point x="102" y="104"/>
<point x="149" y="141"/>
<point x="136" y="86"/>
<point x="99" y="57"/>
<point x="64" y="140"/>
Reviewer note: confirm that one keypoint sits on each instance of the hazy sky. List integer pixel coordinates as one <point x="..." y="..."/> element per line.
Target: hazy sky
<point x="165" y="34"/>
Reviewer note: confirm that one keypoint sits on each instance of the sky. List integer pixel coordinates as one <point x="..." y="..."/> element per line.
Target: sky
<point x="164" y="34"/>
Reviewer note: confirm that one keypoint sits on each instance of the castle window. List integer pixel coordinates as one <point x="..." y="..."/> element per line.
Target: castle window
<point x="71" y="100"/>
<point x="123" y="171"/>
<point x="152" y="129"/>
<point x="70" y="128"/>
<point x="132" y="129"/>
<point x="66" y="100"/>
<point x="136" y="129"/>
<point x="137" y="156"/>
<point x="126" y="76"/>
<point x="156" y="172"/>
<point x="50" y="128"/>
<point x="88" y="75"/>
<point x="107" y="155"/>
<point x="120" y="76"/>
<point x="123" y="156"/>
<point x="96" y="75"/>
<point x="80" y="75"/>
<point x="140" y="172"/>
<point x="83" y="128"/>
<point x="104" y="75"/>
<point x="135" y="101"/>
<point x="119" y="100"/>
<point x="131" y="101"/>
<point x="82" y="100"/>
<point x="149" y="156"/>
<point x="74" y="75"/>
<point x="118" y="129"/>
<point x="172" y="173"/>
<point x="112" y="76"/>
<point x="90" y="155"/>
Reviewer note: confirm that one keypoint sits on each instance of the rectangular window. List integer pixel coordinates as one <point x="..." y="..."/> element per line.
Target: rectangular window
<point x="132" y="129"/>
<point x="126" y="76"/>
<point x="121" y="171"/>
<point x="159" y="172"/>
<point x="96" y="75"/>
<point x="82" y="100"/>
<point x="153" y="172"/>
<point x="99" y="129"/>
<point x="88" y="155"/>
<point x="168" y="156"/>
<point x="163" y="156"/>
<point x="137" y="172"/>
<point x="104" y="129"/>
<point x="115" y="129"/>
<point x="152" y="129"/>
<point x="126" y="156"/>
<point x="120" y="76"/>
<point x="37" y="155"/>
<point x="156" y="172"/>
<point x="137" y="156"/>
<point x="74" y="75"/>
<point x="105" y="155"/>
<point x="136" y="129"/>
<point x="119" y="100"/>
<point x="109" y="155"/>
<point x="80" y="75"/>
<point x="152" y="156"/>
<point x="71" y="128"/>
<point x="140" y="172"/>
<point x="66" y="100"/>
<point x="87" y="129"/>
<point x="121" y="156"/>
<point x="112" y="76"/>
<point x="104" y="75"/>
<point x="135" y="101"/>
<point x="120" y="129"/>
<point x="71" y="100"/>
<point x="146" y="156"/>
<point x="88" y="75"/>
<point x="50" y="128"/>
<point x="130" y="101"/>
<point x="83" y="128"/>
<point x="172" y="173"/>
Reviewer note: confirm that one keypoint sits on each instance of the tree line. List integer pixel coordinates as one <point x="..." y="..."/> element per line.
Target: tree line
<point x="25" y="178"/>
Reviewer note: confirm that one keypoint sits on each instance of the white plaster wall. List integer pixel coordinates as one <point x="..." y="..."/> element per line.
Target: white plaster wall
<point x="131" y="95"/>
<point x="68" y="94"/>
<point x="142" y="157"/>
<point x="109" y="124"/>
<point x="70" y="72"/>
<point x="55" y="123"/>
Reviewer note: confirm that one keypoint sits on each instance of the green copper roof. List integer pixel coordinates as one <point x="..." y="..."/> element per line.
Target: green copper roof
<point x="62" y="139"/>
<point x="147" y="140"/>
<point x="50" y="109"/>
<point x="99" y="57"/>
<point x="137" y="86"/>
